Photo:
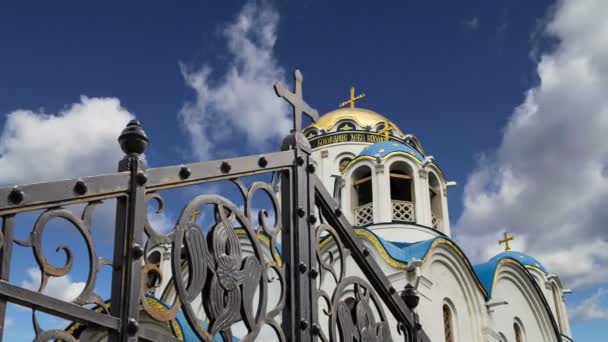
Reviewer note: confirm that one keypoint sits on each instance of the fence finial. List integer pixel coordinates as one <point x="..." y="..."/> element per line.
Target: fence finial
<point x="133" y="139"/>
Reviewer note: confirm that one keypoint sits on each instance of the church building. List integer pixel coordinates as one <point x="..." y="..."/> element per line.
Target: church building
<point x="395" y="195"/>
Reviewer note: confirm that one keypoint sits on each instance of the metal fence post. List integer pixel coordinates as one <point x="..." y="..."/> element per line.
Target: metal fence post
<point x="129" y="235"/>
<point x="297" y="208"/>
<point x="6" y="243"/>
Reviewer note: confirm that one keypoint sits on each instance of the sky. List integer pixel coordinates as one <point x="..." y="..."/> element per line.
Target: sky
<point x="508" y="96"/>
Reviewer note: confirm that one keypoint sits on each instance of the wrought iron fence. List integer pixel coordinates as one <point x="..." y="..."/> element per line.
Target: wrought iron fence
<point x="304" y="277"/>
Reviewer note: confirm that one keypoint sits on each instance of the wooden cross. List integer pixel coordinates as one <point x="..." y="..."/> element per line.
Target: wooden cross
<point x="386" y="130"/>
<point x="352" y="99"/>
<point x="296" y="101"/>
<point x="506" y="241"/>
<point x="195" y="213"/>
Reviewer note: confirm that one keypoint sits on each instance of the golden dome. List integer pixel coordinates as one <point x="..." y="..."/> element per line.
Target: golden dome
<point x="361" y="116"/>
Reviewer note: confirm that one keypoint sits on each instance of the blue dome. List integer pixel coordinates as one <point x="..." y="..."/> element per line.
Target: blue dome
<point x="486" y="271"/>
<point x="384" y="148"/>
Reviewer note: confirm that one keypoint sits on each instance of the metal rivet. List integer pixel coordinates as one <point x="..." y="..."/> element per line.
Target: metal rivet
<point x="301" y="212"/>
<point x="262" y="162"/>
<point x="312" y="219"/>
<point x="300" y="161"/>
<point x="184" y="173"/>
<point x="365" y="252"/>
<point x="137" y="251"/>
<point x="315" y="329"/>
<point x="141" y="178"/>
<point x="303" y="324"/>
<point x="302" y="267"/>
<point x="338" y="212"/>
<point x="16" y="196"/>
<point x="225" y="167"/>
<point x="310" y="168"/>
<point x="132" y="326"/>
<point x="391" y="290"/>
<point x="314" y="273"/>
<point x="80" y="187"/>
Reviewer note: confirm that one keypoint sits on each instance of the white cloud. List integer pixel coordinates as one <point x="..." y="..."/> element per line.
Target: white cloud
<point x="590" y="308"/>
<point x="548" y="181"/>
<point x="79" y="141"/>
<point x="472" y="24"/>
<point x="241" y="101"/>
<point x="59" y="287"/>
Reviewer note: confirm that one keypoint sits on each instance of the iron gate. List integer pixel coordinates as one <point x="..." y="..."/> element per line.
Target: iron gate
<point x="290" y="278"/>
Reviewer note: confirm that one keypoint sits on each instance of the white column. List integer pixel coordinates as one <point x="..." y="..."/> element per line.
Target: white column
<point x="445" y="228"/>
<point x="383" y="209"/>
<point x="423" y="198"/>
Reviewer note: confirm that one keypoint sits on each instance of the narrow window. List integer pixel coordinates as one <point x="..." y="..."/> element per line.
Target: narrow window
<point x="448" y="324"/>
<point x="402" y="192"/>
<point x="436" y="204"/>
<point x="362" y="196"/>
<point x="518" y="337"/>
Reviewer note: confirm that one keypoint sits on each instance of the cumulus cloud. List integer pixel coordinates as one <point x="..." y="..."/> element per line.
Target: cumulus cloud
<point x="240" y="101"/>
<point x="62" y="288"/>
<point x="548" y="181"/>
<point x="590" y="308"/>
<point x="78" y="141"/>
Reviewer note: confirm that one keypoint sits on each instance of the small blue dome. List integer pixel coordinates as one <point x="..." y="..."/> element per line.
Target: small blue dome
<point x="384" y="148"/>
<point x="486" y="271"/>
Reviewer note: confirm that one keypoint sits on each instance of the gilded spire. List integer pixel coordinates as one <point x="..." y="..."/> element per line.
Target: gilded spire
<point x="352" y="99"/>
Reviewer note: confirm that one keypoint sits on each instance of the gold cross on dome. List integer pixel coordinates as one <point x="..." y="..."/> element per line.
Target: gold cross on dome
<point x="386" y="130"/>
<point x="353" y="98"/>
<point x="195" y="213"/>
<point x="506" y="241"/>
<point x="296" y="101"/>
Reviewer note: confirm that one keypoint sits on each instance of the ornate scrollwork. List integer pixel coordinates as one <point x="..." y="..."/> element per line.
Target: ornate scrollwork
<point x="350" y="302"/>
<point x="220" y="274"/>
<point x="47" y="270"/>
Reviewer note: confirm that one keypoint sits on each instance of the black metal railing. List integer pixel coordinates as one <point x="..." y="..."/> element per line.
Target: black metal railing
<point x="236" y="275"/>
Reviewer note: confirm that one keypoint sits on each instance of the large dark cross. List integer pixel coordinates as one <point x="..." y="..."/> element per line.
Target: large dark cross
<point x="296" y="101"/>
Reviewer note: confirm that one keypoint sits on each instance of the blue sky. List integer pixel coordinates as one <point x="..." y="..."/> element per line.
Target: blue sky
<point x="507" y="95"/>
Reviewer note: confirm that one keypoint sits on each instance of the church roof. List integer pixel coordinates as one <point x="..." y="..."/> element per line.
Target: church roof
<point x="361" y="116"/>
<point x="385" y="148"/>
<point x="486" y="271"/>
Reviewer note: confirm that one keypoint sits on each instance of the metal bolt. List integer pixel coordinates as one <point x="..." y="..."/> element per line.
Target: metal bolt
<point x="132" y="326"/>
<point x="315" y="329"/>
<point x="300" y="161"/>
<point x="141" y="178"/>
<point x="310" y="168"/>
<point x="312" y="219"/>
<point x="391" y="290"/>
<point x="137" y="251"/>
<point x="314" y="273"/>
<point x="365" y="252"/>
<point x="184" y="173"/>
<point x="225" y="167"/>
<point x="16" y="196"/>
<point x="301" y="212"/>
<point x="262" y="162"/>
<point x="303" y="324"/>
<point x="80" y="187"/>
<point x="302" y="267"/>
<point x="338" y="212"/>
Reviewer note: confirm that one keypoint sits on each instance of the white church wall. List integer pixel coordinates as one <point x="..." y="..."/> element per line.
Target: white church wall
<point x="453" y="283"/>
<point x="524" y="305"/>
<point x="403" y="232"/>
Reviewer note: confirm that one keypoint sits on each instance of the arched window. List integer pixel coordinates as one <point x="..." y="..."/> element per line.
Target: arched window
<point x="448" y="324"/>
<point x="361" y="199"/>
<point x="436" y="201"/>
<point x="402" y="192"/>
<point x="519" y="335"/>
